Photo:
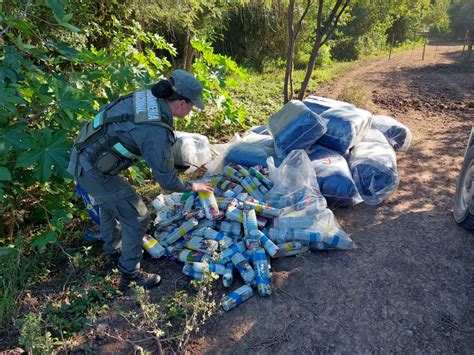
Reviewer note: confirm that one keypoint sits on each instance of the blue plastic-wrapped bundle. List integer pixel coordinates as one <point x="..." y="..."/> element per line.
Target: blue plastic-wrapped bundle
<point x="91" y="206"/>
<point x="295" y="126"/>
<point x="260" y="130"/>
<point x="374" y="168"/>
<point x="320" y="104"/>
<point x="250" y="154"/>
<point x="346" y="126"/>
<point x="398" y="135"/>
<point x="334" y="177"/>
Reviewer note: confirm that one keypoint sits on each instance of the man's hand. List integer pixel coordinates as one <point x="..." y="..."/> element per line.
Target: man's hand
<point x="202" y="186"/>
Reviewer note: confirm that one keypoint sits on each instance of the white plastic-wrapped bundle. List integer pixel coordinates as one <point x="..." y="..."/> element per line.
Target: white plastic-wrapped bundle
<point x="334" y="177"/>
<point x="346" y="126"/>
<point x="191" y="149"/>
<point x="373" y="164"/>
<point x="295" y="126"/>
<point x="398" y="135"/>
<point x="320" y="104"/>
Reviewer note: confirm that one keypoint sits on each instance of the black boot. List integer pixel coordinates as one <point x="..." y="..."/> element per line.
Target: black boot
<point x="141" y="278"/>
<point x="112" y="259"/>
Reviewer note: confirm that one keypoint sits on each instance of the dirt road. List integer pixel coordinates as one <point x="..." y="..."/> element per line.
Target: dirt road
<point x="408" y="288"/>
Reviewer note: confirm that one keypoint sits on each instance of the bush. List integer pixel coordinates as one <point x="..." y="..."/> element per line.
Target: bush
<point x="344" y="49"/>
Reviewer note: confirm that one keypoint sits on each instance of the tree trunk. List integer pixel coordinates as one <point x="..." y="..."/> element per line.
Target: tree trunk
<point x="323" y="32"/>
<point x="188" y="54"/>
<point x="290" y="54"/>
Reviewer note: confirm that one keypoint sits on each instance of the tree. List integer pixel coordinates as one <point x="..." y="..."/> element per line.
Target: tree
<point x="324" y="28"/>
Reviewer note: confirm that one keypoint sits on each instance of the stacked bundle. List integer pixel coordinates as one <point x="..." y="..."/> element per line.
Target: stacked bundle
<point x="350" y="165"/>
<point x="250" y="218"/>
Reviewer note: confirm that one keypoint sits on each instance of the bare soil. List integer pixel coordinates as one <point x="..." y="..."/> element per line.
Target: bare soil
<point x="408" y="287"/>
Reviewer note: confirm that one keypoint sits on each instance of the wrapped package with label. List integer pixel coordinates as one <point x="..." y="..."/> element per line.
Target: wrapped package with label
<point x="334" y="177"/>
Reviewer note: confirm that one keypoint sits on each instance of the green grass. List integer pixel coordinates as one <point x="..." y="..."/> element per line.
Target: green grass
<point x="262" y="95"/>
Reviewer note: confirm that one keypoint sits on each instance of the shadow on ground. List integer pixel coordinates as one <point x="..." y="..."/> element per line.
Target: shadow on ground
<point x="414" y="293"/>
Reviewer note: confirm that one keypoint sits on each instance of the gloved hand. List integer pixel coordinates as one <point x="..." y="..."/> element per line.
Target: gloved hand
<point x="202" y="186"/>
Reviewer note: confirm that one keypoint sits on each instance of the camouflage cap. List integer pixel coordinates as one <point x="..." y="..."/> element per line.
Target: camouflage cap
<point x="186" y="85"/>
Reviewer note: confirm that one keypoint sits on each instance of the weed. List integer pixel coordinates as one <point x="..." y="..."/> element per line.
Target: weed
<point x="80" y="306"/>
<point x="357" y="95"/>
<point x="33" y="338"/>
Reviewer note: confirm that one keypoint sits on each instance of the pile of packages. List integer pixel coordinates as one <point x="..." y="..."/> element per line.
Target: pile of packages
<point x="254" y="215"/>
<point x="351" y="150"/>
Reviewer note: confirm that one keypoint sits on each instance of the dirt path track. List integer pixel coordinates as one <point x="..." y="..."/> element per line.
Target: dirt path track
<point x="408" y="288"/>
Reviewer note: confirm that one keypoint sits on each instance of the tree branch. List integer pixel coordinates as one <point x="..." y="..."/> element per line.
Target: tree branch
<point x="22" y="14"/>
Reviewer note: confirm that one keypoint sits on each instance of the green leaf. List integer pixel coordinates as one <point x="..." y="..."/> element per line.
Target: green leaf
<point x="59" y="217"/>
<point x="40" y="241"/>
<point x="5" y="174"/>
<point x="49" y="152"/>
<point x="60" y="16"/>
<point x="13" y="137"/>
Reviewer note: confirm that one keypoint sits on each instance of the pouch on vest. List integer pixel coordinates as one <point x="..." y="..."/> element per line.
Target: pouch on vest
<point x="113" y="158"/>
<point x="90" y="132"/>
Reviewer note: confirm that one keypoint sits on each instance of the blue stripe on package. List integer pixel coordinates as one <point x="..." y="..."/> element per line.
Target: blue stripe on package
<point x="320" y="104"/>
<point x="250" y="154"/>
<point x="236" y="297"/>
<point x="295" y="126"/>
<point x="91" y="206"/>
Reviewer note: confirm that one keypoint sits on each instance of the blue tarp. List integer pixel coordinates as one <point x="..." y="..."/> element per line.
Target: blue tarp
<point x="334" y="177"/>
<point x="250" y="154"/>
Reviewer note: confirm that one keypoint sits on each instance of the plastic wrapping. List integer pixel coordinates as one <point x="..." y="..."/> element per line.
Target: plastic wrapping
<point x="346" y="126"/>
<point x="295" y="126"/>
<point x="334" y="177"/>
<point x="374" y="168"/>
<point x="191" y="149"/>
<point x="294" y="184"/>
<point x="398" y="135"/>
<point x="320" y="104"/>
<point x="249" y="154"/>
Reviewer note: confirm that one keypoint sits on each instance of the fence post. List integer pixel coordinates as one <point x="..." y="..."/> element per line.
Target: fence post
<point x="424" y="46"/>
<point x="391" y="46"/>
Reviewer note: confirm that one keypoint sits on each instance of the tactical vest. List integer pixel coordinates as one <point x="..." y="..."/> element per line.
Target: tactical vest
<point x="112" y="156"/>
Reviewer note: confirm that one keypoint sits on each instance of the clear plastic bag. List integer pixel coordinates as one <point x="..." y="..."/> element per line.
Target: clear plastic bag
<point x="334" y="177"/>
<point x="191" y="149"/>
<point x="398" y="135"/>
<point x="346" y="126"/>
<point x="320" y="104"/>
<point x="295" y="186"/>
<point x="295" y="126"/>
<point x="373" y="164"/>
<point x="253" y="149"/>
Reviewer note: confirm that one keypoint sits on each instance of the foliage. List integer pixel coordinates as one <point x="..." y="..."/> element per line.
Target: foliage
<point x="33" y="337"/>
<point x="50" y="89"/>
<point x="254" y="35"/>
<point x="80" y="306"/>
<point x="460" y="15"/>
<point x="218" y="73"/>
